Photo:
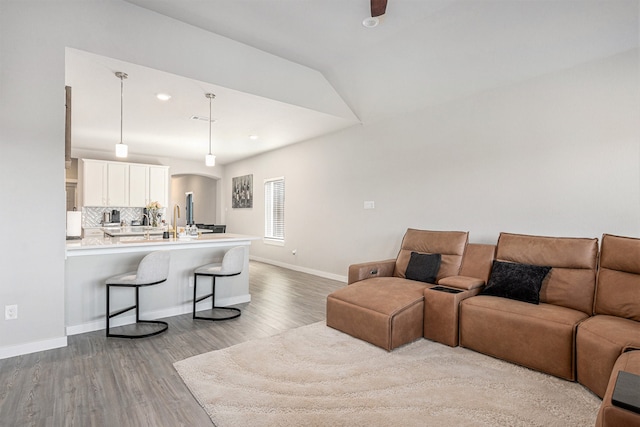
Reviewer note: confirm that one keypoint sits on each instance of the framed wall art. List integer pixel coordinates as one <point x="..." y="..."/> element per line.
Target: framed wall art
<point x="242" y="191"/>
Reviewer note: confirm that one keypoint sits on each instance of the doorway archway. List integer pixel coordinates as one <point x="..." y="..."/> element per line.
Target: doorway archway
<point x="205" y="197"/>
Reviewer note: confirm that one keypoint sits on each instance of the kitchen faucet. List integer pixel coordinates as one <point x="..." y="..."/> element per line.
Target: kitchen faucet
<point x="175" y="221"/>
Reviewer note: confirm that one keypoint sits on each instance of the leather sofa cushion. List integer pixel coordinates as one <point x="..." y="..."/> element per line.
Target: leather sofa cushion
<point x="571" y="282"/>
<point x="540" y="337"/>
<point x="462" y="282"/>
<point x="384" y="311"/>
<point x="620" y="253"/>
<point x="450" y="244"/>
<point x="618" y="291"/>
<point x="618" y="294"/>
<point x="384" y="295"/>
<point x="599" y="342"/>
<point x="477" y="261"/>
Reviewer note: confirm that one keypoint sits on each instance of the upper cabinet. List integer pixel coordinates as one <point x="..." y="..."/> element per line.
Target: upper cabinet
<point x="94" y="183"/>
<point x="159" y="185"/>
<point x="121" y="184"/>
<point x="117" y="184"/>
<point x="138" y="185"/>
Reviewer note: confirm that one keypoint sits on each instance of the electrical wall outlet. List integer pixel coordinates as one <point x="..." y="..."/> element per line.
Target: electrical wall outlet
<point x="369" y="204"/>
<point x="10" y="312"/>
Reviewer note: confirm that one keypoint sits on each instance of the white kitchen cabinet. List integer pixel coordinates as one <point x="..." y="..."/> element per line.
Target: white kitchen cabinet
<point x="94" y="183"/>
<point x="138" y="185"/>
<point x="117" y="184"/>
<point x="159" y="185"/>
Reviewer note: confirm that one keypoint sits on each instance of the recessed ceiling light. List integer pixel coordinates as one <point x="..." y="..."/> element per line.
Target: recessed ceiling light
<point x="253" y="137"/>
<point x="163" y="96"/>
<point x="370" y="22"/>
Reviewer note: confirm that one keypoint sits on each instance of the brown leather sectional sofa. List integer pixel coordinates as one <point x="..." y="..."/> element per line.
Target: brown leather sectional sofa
<point x="573" y="311"/>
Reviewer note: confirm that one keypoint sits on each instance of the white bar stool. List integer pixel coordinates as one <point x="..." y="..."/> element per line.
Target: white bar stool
<point x="152" y="270"/>
<point x="231" y="265"/>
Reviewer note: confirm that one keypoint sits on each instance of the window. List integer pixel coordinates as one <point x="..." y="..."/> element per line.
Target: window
<point x="274" y="210"/>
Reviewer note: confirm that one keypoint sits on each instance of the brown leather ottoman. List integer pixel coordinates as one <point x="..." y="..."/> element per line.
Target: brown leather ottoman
<point x="384" y="311"/>
<point x="615" y="416"/>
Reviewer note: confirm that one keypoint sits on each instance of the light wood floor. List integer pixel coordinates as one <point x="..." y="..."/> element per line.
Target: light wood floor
<point x="96" y="381"/>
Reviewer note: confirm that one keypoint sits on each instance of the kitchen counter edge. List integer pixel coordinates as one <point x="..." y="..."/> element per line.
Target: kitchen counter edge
<point x="99" y="246"/>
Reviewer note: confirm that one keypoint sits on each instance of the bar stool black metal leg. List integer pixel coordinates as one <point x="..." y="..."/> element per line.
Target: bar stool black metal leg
<point x="163" y="325"/>
<point x="108" y="309"/>
<point x="236" y="312"/>
<point x="195" y="293"/>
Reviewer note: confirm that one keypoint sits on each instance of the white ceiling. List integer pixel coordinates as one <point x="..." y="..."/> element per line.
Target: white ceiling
<point x="165" y="128"/>
<point x="423" y="53"/>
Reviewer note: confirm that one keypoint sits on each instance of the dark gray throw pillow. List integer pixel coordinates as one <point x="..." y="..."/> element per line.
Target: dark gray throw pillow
<point x="423" y="267"/>
<point x="520" y="282"/>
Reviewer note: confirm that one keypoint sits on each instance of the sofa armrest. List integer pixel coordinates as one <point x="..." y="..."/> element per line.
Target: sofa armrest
<point x="365" y="270"/>
<point x="461" y="282"/>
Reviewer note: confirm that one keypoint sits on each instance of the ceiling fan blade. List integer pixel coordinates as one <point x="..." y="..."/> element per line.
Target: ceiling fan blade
<point x="378" y="7"/>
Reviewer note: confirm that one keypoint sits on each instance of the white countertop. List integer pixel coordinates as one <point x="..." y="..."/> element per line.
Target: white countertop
<point x="109" y="245"/>
<point x="136" y="230"/>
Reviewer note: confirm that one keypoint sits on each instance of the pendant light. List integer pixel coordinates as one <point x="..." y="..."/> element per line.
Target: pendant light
<point x="121" y="148"/>
<point x="210" y="159"/>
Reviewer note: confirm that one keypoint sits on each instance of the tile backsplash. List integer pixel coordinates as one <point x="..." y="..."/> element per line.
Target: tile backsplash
<point x="92" y="216"/>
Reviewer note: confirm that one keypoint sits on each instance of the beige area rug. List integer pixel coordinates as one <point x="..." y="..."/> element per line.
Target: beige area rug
<point x="317" y="376"/>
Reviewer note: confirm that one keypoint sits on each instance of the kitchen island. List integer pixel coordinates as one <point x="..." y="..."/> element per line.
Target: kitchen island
<point x="89" y="262"/>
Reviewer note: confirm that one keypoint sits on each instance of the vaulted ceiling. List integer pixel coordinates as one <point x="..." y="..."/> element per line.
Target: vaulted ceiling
<point x="424" y="52"/>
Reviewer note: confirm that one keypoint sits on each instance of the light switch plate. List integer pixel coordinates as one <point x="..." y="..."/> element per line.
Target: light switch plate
<point x="369" y="204"/>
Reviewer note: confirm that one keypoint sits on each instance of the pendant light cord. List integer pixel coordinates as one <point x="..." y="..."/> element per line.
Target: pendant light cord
<point x="121" y="76"/>
<point x="121" y="103"/>
<point x="210" y="159"/>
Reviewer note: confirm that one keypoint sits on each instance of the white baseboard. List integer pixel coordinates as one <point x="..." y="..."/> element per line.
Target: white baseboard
<point x="32" y="347"/>
<point x="159" y="314"/>
<point x="301" y="269"/>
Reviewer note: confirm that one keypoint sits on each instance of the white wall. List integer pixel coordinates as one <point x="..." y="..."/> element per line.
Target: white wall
<point x="556" y="155"/>
<point x="33" y="38"/>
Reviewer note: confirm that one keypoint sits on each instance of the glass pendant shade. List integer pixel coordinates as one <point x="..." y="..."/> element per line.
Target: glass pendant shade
<point x="210" y="160"/>
<point x="121" y="150"/>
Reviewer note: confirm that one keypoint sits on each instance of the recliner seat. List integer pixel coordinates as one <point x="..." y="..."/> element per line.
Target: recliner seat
<point x="380" y="305"/>
<point x="615" y="327"/>
<point x="541" y="336"/>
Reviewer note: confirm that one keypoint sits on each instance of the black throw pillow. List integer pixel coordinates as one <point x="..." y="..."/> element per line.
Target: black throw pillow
<point x="520" y="282"/>
<point x="423" y="267"/>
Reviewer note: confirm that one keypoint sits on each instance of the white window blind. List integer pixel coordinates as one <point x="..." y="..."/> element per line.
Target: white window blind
<point x="274" y="209"/>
